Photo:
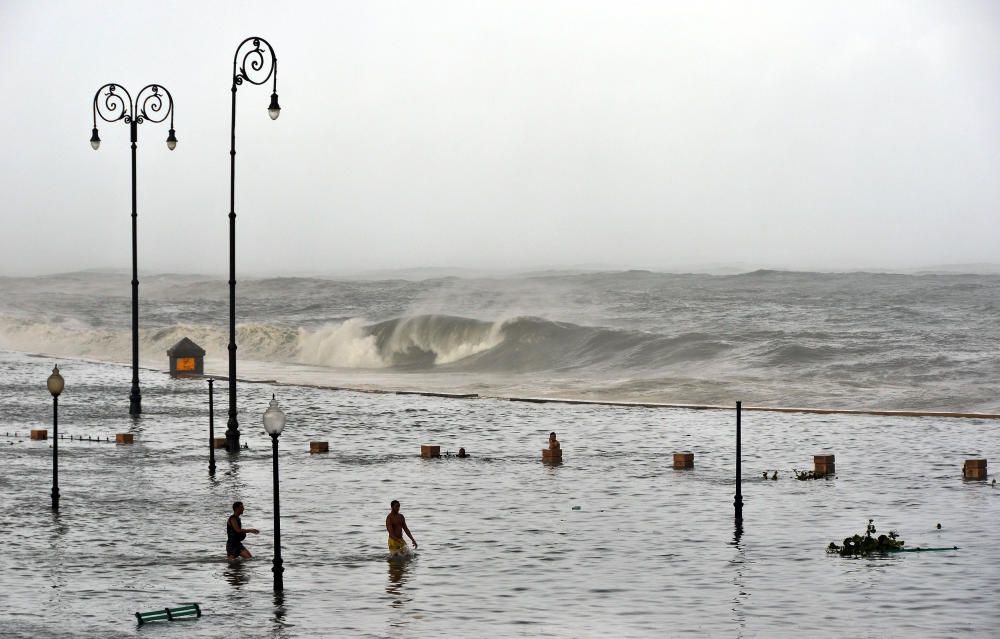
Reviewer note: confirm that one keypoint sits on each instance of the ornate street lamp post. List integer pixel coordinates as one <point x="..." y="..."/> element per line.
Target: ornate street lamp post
<point x="155" y="104"/>
<point x="255" y="63"/>
<point x="274" y="423"/>
<point x="55" y="384"/>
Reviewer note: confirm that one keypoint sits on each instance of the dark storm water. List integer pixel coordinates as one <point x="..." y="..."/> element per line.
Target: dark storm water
<point x="503" y="553"/>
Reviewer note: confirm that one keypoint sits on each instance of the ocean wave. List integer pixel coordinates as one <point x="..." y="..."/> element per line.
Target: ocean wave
<point x="927" y="339"/>
<point x="417" y="342"/>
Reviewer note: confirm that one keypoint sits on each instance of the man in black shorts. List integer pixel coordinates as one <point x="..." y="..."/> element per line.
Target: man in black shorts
<point x="236" y="533"/>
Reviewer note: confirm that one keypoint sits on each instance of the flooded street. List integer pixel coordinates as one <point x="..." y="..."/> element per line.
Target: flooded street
<point x="613" y="542"/>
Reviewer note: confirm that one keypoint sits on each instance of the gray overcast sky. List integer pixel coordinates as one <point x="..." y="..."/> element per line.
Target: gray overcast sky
<point x="509" y="134"/>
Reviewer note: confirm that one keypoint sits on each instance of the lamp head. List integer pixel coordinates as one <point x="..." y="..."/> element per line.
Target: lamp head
<point x="95" y="140"/>
<point x="55" y="382"/>
<point x="171" y="140"/>
<point x="274" y="110"/>
<point x="274" y="418"/>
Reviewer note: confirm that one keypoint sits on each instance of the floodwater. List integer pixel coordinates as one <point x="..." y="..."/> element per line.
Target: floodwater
<point x="613" y="542"/>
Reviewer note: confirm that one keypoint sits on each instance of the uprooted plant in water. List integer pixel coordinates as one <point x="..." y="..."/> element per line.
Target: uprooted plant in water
<point x="867" y="544"/>
<point x="803" y="475"/>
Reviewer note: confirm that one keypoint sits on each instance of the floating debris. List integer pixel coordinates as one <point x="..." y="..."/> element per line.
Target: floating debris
<point x="803" y="475"/>
<point x="868" y="544"/>
<point x="169" y="614"/>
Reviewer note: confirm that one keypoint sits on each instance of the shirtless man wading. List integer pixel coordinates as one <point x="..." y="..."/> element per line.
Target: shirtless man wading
<point x="236" y="533"/>
<point x="395" y="523"/>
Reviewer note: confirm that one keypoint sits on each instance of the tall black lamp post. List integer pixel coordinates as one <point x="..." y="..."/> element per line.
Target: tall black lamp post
<point x="155" y="104"/>
<point x="255" y="63"/>
<point x="55" y="384"/>
<point x="274" y="423"/>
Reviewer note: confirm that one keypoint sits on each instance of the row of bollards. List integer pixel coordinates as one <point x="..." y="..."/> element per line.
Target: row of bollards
<point x="42" y="434"/>
<point x="824" y="464"/>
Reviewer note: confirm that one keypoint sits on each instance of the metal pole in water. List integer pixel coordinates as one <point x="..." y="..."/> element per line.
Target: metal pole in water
<point x="211" y="428"/>
<point x="738" y="501"/>
<point x="55" y="452"/>
<point x="277" y="569"/>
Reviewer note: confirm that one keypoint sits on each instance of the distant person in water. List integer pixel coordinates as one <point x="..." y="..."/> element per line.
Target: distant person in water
<point x="395" y="523"/>
<point x="236" y="533"/>
<point x="462" y="453"/>
<point x="553" y="442"/>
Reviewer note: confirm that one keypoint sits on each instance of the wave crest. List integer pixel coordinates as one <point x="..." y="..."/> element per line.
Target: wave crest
<point x="419" y="342"/>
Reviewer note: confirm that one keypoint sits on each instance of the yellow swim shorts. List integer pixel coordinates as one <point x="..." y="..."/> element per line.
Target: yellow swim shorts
<point x="398" y="547"/>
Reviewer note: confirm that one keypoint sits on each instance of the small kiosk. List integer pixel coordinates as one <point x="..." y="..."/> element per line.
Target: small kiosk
<point x="186" y="359"/>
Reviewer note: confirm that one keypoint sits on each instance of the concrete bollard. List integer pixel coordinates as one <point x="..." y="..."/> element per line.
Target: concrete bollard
<point x="429" y="451"/>
<point x="124" y="438"/>
<point x="319" y="447"/>
<point x="971" y="469"/>
<point x="824" y="464"/>
<point x="552" y="454"/>
<point x="39" y="433"/>
<point x="219" y="442"/>
<point x="683" y="459"/>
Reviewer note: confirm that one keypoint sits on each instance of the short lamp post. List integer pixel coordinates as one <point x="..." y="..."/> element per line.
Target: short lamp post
<point x="738" y="500"/>
<point x="153" y="103"/>
<point x="211" y="427"/>
<point x="274" y="423"/>
<point x="55" y="384"/>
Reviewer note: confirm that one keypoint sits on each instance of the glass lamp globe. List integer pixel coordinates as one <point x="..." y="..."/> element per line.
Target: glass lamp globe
<point x="95" y="140"/>
<point x="171" y="140"/>
<point x="55" y="382"/>
<point x="274" y="110"/>
<point x="274" y="418"/>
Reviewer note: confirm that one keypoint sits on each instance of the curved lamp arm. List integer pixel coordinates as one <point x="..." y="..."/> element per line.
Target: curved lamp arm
<point x="114" y="103"/>
<point x="151" y="106"/>
<point x="255" y="62"/>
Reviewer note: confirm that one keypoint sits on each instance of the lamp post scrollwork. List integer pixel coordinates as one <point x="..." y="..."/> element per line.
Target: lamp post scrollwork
<point x="153" y="103"/>
<point x="253" y="63"/>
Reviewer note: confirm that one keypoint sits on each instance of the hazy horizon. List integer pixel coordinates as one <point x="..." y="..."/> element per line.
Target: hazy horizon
<point x="510" y="136"/>
<point x="431" y="272"/>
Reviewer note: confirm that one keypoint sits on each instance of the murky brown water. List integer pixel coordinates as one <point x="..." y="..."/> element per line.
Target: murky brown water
<point x="650" y="552"/>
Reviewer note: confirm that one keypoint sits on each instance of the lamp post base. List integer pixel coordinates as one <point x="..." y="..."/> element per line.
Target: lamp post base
<point x="135" y="402"/>
<point x="277" y="569"/>
<point x="233" y="438"/>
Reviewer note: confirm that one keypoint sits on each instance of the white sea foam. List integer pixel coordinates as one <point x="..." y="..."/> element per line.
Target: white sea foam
<point x="347" y="344"/>
<point x="446" y="339"/>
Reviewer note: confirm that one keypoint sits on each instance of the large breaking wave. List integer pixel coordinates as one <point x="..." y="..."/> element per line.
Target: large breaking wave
<point x="419" y="342"/>
<point x="886" y="340"/>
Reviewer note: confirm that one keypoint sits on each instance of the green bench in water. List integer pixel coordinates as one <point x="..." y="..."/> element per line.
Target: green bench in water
<point x="184" y="610"/>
